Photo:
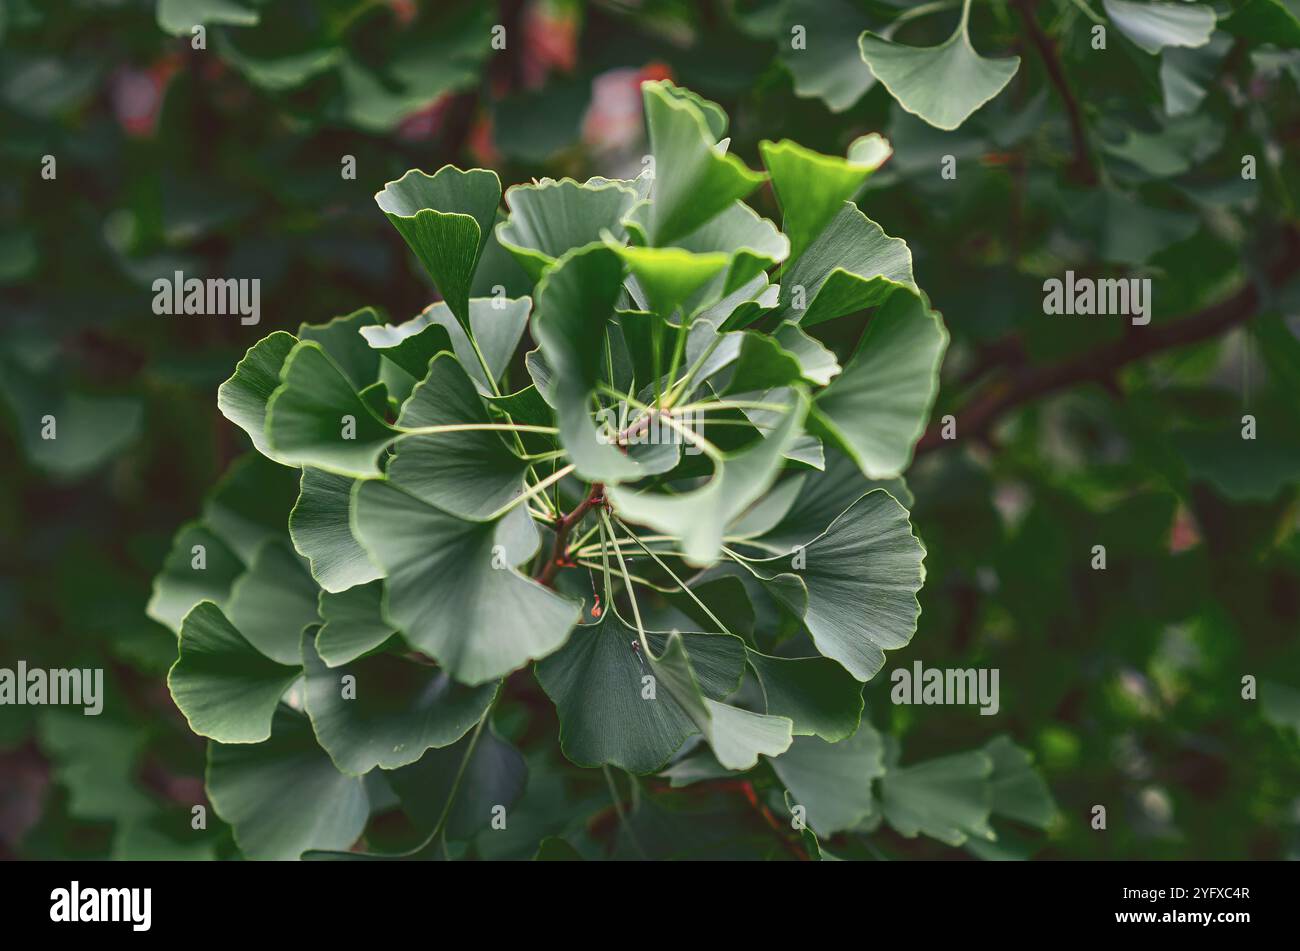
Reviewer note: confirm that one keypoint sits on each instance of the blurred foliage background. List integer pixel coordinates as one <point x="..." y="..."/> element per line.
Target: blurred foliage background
<point x="1125" y="683"/>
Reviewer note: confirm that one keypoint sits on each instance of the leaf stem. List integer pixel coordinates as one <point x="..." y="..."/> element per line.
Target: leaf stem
<point x="672" y="574"/>
<point x="532" y="491"/>
<point x="439" y="829"/>
<point x="627" y="583"/>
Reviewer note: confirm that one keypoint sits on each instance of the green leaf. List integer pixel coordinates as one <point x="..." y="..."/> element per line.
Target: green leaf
<point x="695" y="178"/>
<point x="876" y="410"/>
<point x="856" y="589"/>
<point x="551" y="218"/>
<point x="941" y="84"/>
<point x="575" y="301"/>
<point x="495" y="776"/>
<point x="812" y="188"/>
<point x="226" y="688"/>
<point x="818" y="695"/>
<point x="828" y="67"/>
<point x="832" y="781"/>
<point x="469" y="474"/>
<point x="804" y="505"/>
<point x="179" y="17"/>
<point x="947" y="798"/>
<point x="413" y="344"/>
<point x="249" y="504"/>
<point x="497" y="325"/>
<point x="1153" y="26"/>
<point x="445" y="218"/>
<point x="199" y="567"/>
<point x="320" y="531"/>
<point x="851" y="265"/>
<point x="273" y="601"/>
<point x="555" y="849"/>
<point x="284" y="796"/>
<point x="242" y="399"/>
<point x="700" y="517"/>
<point x="668" y="276"/>
<point x="817" y="364"/>
<point x="762" y="365"/>
<point x="1265" y="21"/>
<point x="96" y="759"/>
<point x="444" y="594"/>
<point x="597" y="683"/>
<point x="1017" y="789"/>
<point x="317" y="418"/>
<point x="353" y="623"/>
<point x="752" y="244"/>
<point x="737" y="736"/>
<point x="341" y="338"/>
<point x="393" y="710"/>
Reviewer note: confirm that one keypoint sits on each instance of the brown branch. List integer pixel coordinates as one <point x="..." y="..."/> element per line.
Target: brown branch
<point x="1102" y="364"/>
<point x="1082" y="169"/>
<point x="563" y="527"/>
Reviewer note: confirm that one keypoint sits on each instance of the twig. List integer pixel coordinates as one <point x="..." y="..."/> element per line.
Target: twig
<point x="1103" y="363"/>
<point x="562" y="529"/>
<point x="1082" y="168"/>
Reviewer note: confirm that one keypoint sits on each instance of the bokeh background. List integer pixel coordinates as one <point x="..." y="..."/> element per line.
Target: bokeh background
<point x="1125" y="683"/>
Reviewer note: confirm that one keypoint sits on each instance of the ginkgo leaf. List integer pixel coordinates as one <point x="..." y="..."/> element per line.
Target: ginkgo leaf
<point x="341" y="338"/>
<point x="1156" y="25"/>
<point x="472" y="473"/>
<point x="452" y="589"/>
<point x="752" y="244"/>
<point x="812" y="188"/>
<point x="941" y="84"/>
<point x="352" y="623"/>
<point x="854" y="585"/>
<point x="575" y="301"/>
<point x="178" y="17"/>
<point x="817" y="364"/>
<point x="493" y="778"/>
<point x="819" y="696"/>
<point x="948" y="798"/>
<point x="737" y="736"/>
<point x="695" y="178"/>
<point x="385" y="711"/>
<point x="226" y="688"/>
<point x="497" y="324"/>
<point x="250" y="503"/>
<point x="316" y="417"/>
<point x="242" y="399"/>
<point x="609" y="711"/>
<point x="878" y="407"/>
<point x="273" y="601"/>
<point x="199" y="567"/>
<point x="832" y="781"/>
<point x="1265" y="21"/>
<point x="284" y="796"/>
<point x="445" y="218"/>
<point x="826" y="64"/>
<point x="762" y="364"/>
<point x="320" y="531"/>
<point x="669" y="276"/>
<point x="1017" y="789"/>
<point x="851" y="265"/>
<point x="552" y="217"/>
